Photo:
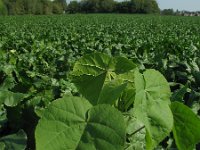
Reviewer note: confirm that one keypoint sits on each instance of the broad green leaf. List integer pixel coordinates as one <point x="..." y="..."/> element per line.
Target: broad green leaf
<point x="14" y="141"/>
<point x="186" y="127"/>
<point x="151" y="106"/>
<point x="93" y="75"/>
<point x="10" y="99"/>
<point x="73" y="123"/>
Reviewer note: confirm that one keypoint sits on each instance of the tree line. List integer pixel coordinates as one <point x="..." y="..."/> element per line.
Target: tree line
<point x="36" y="7"/>
<point x="46" y="7"/>
<point x="111" y="6"/>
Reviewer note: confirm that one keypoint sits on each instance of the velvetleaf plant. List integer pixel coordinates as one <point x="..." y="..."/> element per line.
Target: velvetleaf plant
<point x="111" y="88"/>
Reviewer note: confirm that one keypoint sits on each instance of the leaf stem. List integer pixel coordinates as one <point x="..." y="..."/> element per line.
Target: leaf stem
<point x="137" y="131"/>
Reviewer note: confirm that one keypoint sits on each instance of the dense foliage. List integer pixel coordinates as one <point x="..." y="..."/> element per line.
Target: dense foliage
<point x="47" y="7"/>
<point x="90" y="81"/>
<point x="36" y="7"/>
<point x="111" y="6"/>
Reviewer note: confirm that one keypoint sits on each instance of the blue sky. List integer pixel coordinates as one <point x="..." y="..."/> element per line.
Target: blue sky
<point x="191" y="5"/>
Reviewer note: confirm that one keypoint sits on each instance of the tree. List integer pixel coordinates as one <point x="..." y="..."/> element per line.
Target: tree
<point x="10" y="5"/>
<point x="57" y="8"/>
<point x="123" y="7"/>
<point x="97" y="6"/>
<point x="155" y="7"/>
<point x="38" y="8"/>
<point x="90" y="6"/>
<point x="167" y="12"/>
<point x="73" y="7"/>
<point x="62" y="3"/>
<point x="28" y="6"/>
<point x="3" y="9"/>
<point x="19" y="7"/>
<point x="151" y="6"/>
<point x="106" y="6"/>
<point x="47" y="7"/>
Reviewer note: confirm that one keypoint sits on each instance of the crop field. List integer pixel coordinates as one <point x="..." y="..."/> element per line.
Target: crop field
<point x="101" y="81"/>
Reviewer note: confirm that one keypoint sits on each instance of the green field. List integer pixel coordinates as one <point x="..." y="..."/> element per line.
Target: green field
<point x="44" y="58"/>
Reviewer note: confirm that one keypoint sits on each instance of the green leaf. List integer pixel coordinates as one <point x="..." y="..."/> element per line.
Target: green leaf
<point x="14" y="141"/>
<point x="73" y="123"/>
<point x="93" y="75"/>
<point x="151" y="106"/>
<point x="186" y="127"/>
<point x="11" y="99"/>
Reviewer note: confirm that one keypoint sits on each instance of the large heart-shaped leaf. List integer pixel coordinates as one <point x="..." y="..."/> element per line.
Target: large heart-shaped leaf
<point x="151" y="106"/>
<point x="73" y="123"/>
<point x="186" y="127"/>
<point x="93" y="75"/>
<point x="14" y="141"/>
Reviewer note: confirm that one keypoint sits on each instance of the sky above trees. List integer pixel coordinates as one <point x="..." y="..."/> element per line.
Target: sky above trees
<point x="191" y="5"/>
